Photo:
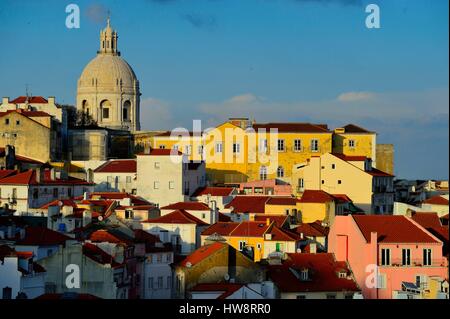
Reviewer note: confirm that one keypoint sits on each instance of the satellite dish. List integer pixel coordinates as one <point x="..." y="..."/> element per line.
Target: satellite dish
<point x="100" y="218"/>
<point x="60" y="203"/>
<point x="188" y="264"/>
<point x="227" y="277"/>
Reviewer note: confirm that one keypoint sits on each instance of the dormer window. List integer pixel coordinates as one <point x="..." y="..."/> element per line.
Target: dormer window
<point x="342" y="274"/>
<point x="304" y="274"/>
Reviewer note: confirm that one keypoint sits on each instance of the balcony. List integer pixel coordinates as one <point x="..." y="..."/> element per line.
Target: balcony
<point x="442" y="262"/>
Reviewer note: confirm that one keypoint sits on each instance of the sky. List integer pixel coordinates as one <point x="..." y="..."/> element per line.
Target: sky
<point x="269" y="60"/>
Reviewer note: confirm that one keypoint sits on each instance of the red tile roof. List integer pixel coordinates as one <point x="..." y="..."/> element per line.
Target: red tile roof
<point x="250" y="229"/>
<point x="188" y="206"/>
<point x="392" y="229"/>
<point x="161" y="152"/>
<point x="117" y="166"/>
<point x="26" y="113"/>
<point x="279" y="220"/>
<point x="226" y="289"/>
<point x="352" y="128"/>
<point x="29" y="178"/>
<point x="312" y="230"/>
<point x="293" y="127"/>
<point x="98" y="255"/>
<point x="135" y="200"/>
<point x="342" y="198"/>
<point x="248" y="204"/>
<point x="436" y="200"/>
<point x="7" y="172"/>
<point x="201" y="254"/>
<point x="323" y="274"/>
<point x="279" y="234"/>
<point x="350" y="158"/>
<point x="176" y="217"/>
<point x="61" y="203"/>
<point x="213" y="191"/>
<point x="42" y="236"/>
<point x="224" y="218"/>
<point x="316" y="196"/>
<point x="103" y="235"/>
<point x="431" y="222"/>
<point x="31" y="99"/>
<point x="282" y="201"/>
<point x="221" y="228"/>
<point x="377" y="172"/>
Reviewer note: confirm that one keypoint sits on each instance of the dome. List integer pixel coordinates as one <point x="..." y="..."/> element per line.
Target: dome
<point x="108" y="72"/>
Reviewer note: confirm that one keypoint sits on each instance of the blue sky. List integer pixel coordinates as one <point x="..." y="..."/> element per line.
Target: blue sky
<point x="271" y="60"/>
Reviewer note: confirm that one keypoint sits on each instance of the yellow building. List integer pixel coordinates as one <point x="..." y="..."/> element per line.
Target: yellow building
<point x="257" y="239"/>
<point x="354" y="140"/>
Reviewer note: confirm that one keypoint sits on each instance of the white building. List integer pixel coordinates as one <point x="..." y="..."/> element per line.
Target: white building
<point x="179" y="228"/>
<point x="34" y="188"/>
<point x="205" y="213"/>
<point x="165" y="178"/>
<point x="222" y="196"/>
<point x="116" y="176"/>
<point x="20" y="275"/>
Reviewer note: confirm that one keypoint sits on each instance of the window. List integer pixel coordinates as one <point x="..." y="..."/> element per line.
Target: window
<point x="128" y="214"/>
<point x="259" y="190"/>
<point x="219" y="146"/>
<point x="156" y="185"/>
<point x="187" y="149"/>
<point x="203" y="215"/>
<point x="241" y="245"/>
<point x="381" y="283"/>
<point x="175" y="148"/>
<point x="159" y="258"/>
<point x="171" y="185"/>
<point x="7" y="293"/>
<point x="150" y="282"/>
<point x="406" y="257"/>
<point x="55" y="192"/>
<point x="427" y="257"/>
<point x="263" y="173"/>
<point x="125" y="114"/>
<point x="351" y="143"/>
<point x="301" y="183"/>
<point x="301" y="297"/>
<point x="168" y="258"/>
<point x="105" y="113"/>
<point x="6" y="121"/>
<point x="200" y="149"/>
<point x="333" y="166"/>
<point x="314" y="145"/>
<point x="339" y="181"/>
<point x="69" y="192"/>
<point x="297" y="145"/>
<point x="35" y="193"/>
<point x="18" y="122"/>
<point x="331" y="296"/>
<point x="162" y="147"/>
<point x="128" y="179"/>
<point x="258" y="246"/>
<point x="160" y="282"/>
<point x="280" y="145"/>
<point x="236" y="148"/>
<point x="280" y="171"/>
<point x="156" y="165"/>
<point x="348" y="296"/>
<point x="169" y="282"/>
<point x="385" y="257"/>
<point x="323" y="181"/>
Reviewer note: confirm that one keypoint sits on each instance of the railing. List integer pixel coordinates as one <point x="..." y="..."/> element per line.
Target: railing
<point x="418" y="262"/>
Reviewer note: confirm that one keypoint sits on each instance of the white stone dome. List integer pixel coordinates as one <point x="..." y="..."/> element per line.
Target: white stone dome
<point x="108" y="71"/>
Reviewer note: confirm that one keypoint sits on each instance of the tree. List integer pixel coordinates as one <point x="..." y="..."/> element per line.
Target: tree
<point x="78" y="118"/>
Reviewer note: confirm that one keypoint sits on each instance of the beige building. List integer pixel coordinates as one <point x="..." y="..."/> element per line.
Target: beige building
<point x="34" y="134"/>
<point x="108" y="88"/>
<point x="369" y="188"/>
<point x="164" y="178"/>
<point x="385" y="158"/>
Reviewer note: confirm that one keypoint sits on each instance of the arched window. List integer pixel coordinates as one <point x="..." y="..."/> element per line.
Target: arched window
<point x="105" y="107"/>
<point x="280" y="171"/>
<point x="126" y="111"/>
<point x="263" y="173"/>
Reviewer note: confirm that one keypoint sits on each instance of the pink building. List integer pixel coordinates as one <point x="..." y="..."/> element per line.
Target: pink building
<point x="266" y="187"/>
<point x="402" y="252"/>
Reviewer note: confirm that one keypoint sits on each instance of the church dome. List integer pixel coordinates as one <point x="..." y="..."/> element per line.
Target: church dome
<point x="107" y="71"/>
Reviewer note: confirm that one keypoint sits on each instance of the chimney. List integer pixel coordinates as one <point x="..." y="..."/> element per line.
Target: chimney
<point x="214" y="212"/>
<point x="89" y="175"/>
<point x="38" y="175"/>
<point x="5" y="100"/>
<point x="52" y="174"/>
<point x="312" y="248"/>
<point x="267" y="221"/>
<point x="85" y="195"/>
<point x="10" y="156"/>
<point x="87" y="218"/>
<point x="51" y="100"/>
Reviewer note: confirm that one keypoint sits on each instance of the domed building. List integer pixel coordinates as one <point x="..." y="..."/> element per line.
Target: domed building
<point x="108" y="89"/>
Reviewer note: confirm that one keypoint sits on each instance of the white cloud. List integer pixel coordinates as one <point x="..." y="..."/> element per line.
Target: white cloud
<point x="355" y="96"/>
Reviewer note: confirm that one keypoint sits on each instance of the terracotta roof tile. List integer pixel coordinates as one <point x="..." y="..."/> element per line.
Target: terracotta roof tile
<point x="293" y="127"/>
<point x="221" y="228"/>
<point x="201" y="254"/>
<point x="392" y="229"/>
<point x="250" y="229"/>
<point x="316" y="196"/>
<point x="248" y="204"/>
<point x="188" y="206"/>
<point x="161" y="152"/>
<point x="176" y="217"/>
<point x="41" y="236"/>
<point x="436" y="200"/>
<point x="31" y="99"/>
<point x="213" y="191"/>
<point x="117" y="166"/>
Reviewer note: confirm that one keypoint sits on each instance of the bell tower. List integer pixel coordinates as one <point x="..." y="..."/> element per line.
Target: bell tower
<point x="108" y="40"/>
